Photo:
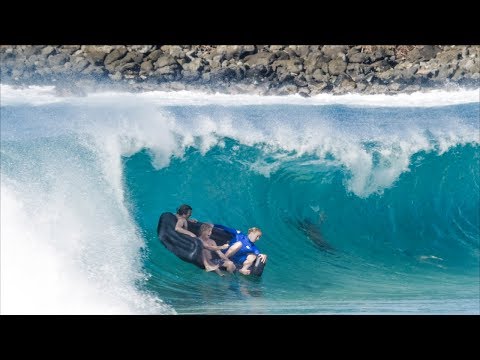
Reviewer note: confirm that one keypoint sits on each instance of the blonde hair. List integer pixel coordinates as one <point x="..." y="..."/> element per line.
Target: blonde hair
<point x="204" y="227"/>
<point x="255" y="229"/>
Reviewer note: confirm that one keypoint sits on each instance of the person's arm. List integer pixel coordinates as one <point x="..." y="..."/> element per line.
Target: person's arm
<point x="263" y="257"/>
<point x="214" y="247"/>
<point x="221" y="255"/>
<point x="179" y="228"/>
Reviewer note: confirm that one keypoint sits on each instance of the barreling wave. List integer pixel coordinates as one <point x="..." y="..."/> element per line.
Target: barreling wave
<point x="363" y="208"/>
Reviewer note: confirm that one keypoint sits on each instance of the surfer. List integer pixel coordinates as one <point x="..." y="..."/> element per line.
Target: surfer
<point x="209" y="247"/>
<point x="183" y="216"/>
<point x="242" y="250"/>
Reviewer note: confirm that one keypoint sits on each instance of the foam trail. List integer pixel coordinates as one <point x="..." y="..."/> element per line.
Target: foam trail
<point x="42" y="95"/>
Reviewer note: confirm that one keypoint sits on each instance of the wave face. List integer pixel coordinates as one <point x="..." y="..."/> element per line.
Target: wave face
<point x="369" y="208"/>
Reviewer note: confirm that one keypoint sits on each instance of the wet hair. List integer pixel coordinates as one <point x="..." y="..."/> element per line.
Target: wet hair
<point x="184" y="209"/>
<point x="204" y="227"/>
<point x="255" y="229"/>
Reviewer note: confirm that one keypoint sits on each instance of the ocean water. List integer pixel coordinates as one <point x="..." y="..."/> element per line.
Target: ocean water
<point x="368" y="204"/>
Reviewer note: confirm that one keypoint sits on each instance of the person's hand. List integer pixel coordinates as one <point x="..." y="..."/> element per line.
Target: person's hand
<point x="263" y="258"/>
<point x="193" y="235"/>
<point x="224" y="246"/>
<point x="193" y="220"/>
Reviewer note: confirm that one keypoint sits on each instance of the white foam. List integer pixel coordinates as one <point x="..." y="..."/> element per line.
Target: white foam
<point x="42" y="95"/>
<point x="123" y="124"/>
<point x="65" y="247"/>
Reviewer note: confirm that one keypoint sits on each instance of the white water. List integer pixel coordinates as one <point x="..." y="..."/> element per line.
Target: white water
<point x="41" y="95"/>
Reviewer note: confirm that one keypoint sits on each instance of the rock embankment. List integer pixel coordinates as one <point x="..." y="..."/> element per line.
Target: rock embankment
<point x="260" y="69"/>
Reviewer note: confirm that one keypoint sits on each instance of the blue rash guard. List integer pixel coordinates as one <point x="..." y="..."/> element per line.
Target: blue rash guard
<point x="247" y="248"/>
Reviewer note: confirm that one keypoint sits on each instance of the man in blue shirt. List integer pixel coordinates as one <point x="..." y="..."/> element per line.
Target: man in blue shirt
<point x="242" y="250"/>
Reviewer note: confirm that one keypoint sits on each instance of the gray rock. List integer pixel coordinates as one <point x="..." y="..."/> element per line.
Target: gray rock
<point x="130" y="61"/>
<point x="59" y="59"/>
<point x="167" y="70"/>
<point x="300" y="81"/>
<point x="458" y="75"/>
<point x="334" y="51"/>
<point x="175" y="51"/>
<point x="380" y="66"/>
<point x="304" y="91"/>
<point x="275" y="48"/>
<point x="261" y="58"/>
<point x="94" y="70"/>
<point x="427" y="71"/>
<point x="79" y="64"/>
<point x="317" y="88"/>
<point x="48" y="50"/>
<point x="450" y="56"/>
<point x="116" y="54"/>
<point x="469" y="65"/>
<point x="32" y="50"/>
<point x="281" y="55"/>
<point x="361" y="86"/>
<point x="293" y="66"/>
<point x="445" y="72"/>
<point x="258" y="71"/>
<point x="228" y="52"/>
<point x="320" y="76"/>
<point x="165" y="60"/>
<point x="337" y="66"/>
<point x="428" y="52"/>
<point x="194" y="66"/>
<point x="142" y="49"/>
<point x="146" y="67"/>
<point x="301" y="50"/>
<point x="346" y="86"/>
<point x="385" y="75"/>
<point x="358" y="57"/>
<point x="395" y="86"/>
<point x="97" y="54"/>
<point x="315" y="61"/>
<point x="223" y="74"/>
<point x="154" y="55"/>
<point x="128" y="68"/>
<point x="69" y="49"/>
<point x="262" y="69"/>
<point x="289" y="89"/>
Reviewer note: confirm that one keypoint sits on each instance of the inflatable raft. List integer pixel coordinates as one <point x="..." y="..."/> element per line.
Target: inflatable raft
<point x="189" y="248"/>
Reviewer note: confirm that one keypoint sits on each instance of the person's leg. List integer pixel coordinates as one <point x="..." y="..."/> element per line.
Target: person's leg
<point x="207" y="257"/>
<point x="246" y="264"/>
<point x="229" y="265"/>
<point x="233" y="249"/>
<point x="219" y="272"/>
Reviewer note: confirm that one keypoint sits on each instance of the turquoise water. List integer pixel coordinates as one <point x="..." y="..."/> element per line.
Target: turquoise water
<point x="363" y="209"/>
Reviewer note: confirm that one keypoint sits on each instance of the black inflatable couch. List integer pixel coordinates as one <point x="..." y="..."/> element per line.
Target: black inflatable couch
<point x="188" y="248"/>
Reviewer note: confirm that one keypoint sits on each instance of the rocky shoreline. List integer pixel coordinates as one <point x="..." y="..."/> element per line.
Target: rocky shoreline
<point x="259" y="69"/>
